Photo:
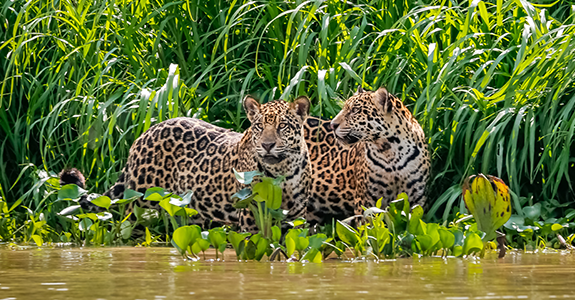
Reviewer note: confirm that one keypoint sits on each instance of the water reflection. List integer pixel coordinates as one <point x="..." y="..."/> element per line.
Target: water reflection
<point x="159" y="273"/>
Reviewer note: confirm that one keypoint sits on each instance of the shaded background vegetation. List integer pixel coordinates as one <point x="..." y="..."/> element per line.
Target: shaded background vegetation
<point x="491" y="82"/>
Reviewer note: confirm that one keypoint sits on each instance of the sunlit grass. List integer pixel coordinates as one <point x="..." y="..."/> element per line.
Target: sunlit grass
<point x="490" y="82"/>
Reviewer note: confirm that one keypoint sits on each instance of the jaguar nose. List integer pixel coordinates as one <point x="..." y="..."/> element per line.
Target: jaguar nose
<point x="268" y="146"/>
<point x="334" y="125"/>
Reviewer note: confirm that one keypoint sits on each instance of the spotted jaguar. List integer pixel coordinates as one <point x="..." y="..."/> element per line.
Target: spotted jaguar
<point x="186" y="154"/>
<point x="391" y="150"/>
<point x="373" y="148"/>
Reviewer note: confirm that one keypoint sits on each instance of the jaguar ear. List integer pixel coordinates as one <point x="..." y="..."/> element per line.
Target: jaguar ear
<point x="383" y="100"/>
<point x="301" y="107"/>
<point x="252" y="107"/>
<point x="360" y="89"/>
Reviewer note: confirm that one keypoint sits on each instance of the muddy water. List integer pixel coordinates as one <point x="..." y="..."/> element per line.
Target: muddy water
<point x="160" y="273"/>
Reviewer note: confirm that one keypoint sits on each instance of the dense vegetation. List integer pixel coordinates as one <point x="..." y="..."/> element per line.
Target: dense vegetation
<point x="490" y="82"/>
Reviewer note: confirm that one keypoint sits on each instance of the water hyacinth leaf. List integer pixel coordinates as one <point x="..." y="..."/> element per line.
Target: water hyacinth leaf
<point x="243" y="198"/>
<point x="345" y="233"/>
<point x="85" y="224"/>
<point x="70" y="210"/>
<point x="313" y="255"/>
<point x="238" y="241"/>
<point x="379" y="202"/>
<point x="556" y="227"/>
<point x="302" y="243"/>
<point x="261" y="248"/>
<point x="432" y="231"/>
<point x="155" y="194"/>
<point x="149" y="237"/>
<point x="250" y="250"/>
<point x="297" y="222"/>
<point x="279" y="214"/>
<point x="425" y="241"/>
<point x="169" y="207"/>
<point x="276" y="233"/>
<point x="268" y="192"/>
<point x="130" y="194"/>
<point x="290" y="245"/>
<point x="91" y="216"/>
<point x="181" y="201"/>
<point x="489" y="200"/>
<point x="457" y="250"/>
<point x="126" y="229"/>
<point x="447" y="238"/>
<point x="102" y="201"/>
<point x="414" y="217"/>
<point x="185" y="237"/>
<point x="38" y="240"/>
<point x="217" y="237"/>
<point x="472" y="244"/>
<point x="317" y="240"/>
<point x="71" y="192"/>
<point x="190" y="212"/>
<point x="200" y="245"/>
<point x="532" y="212"/>
<point x="246" y="177"/>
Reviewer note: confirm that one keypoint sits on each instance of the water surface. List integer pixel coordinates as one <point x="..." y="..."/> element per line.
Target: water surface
<point x="160" y="273"/>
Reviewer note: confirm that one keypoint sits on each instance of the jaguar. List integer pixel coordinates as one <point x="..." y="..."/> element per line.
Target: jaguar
<point x="391" y="155"/>
<point x="187" y="154"/>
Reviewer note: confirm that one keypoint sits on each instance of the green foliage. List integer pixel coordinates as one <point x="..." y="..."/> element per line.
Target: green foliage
<point x="263" y="200"/>
<point x="492" y="85"/>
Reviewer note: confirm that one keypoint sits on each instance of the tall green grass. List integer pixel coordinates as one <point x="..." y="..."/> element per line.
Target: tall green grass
<point x="490" y="82"/>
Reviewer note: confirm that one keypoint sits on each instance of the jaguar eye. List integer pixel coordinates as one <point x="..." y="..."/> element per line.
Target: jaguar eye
<point x="283" y="125"/>
<point x="355" y="110"/>
<point x="258" y="126"/>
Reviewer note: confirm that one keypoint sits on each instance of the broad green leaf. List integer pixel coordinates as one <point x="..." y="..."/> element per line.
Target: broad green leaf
<point x="38" y="240"/>
<point x="102" y="201"/>
<point x="131" y="194"/>
<point x="533" y="212"/>
<point x="70" y="210"/>
<point x="181" y="201"/>
<point x="414" y="217"/>
<point x="85" y="224"/>
<point x="155" y="194"/>
<point x="71" y="192"/>
<point x="425" y="241"/>
<point x="472" y="244"/>
<point x="243" y="198"/>
<point x="447" y="238"/>
<point x="235" y="239"/>
<point x="276" y="233"/>
<point x="186" y="236"/>
<point x="556" y="227"/>
<point x="170" y="208"/>
<point x="247" y="177"/>
<point x="290" y="245"/>
<point x="345" y="233"/>
<point x="217" y="237"/>
<point x="268" y="192"/>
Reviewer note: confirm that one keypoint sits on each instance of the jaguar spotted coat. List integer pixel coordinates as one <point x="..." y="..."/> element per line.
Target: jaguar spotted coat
<point x="185" y="154"/>
<point x="391" y="151"/>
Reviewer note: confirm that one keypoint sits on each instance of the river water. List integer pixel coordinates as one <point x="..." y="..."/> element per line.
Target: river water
<point x="160" y="273"/>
